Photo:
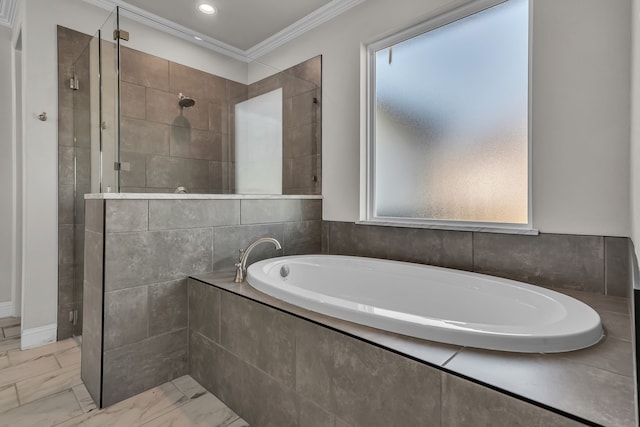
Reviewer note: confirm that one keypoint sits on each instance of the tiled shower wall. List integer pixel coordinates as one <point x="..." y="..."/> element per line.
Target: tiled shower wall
<point x="74" y="174"/>
<point x="302" y="124"/>
<point x="150" y="247"/>
<point x="597" y="264"/>
<point x="164" y="146"/>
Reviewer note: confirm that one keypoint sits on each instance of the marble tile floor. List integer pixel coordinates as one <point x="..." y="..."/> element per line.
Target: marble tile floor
<point x="42" y="387"/>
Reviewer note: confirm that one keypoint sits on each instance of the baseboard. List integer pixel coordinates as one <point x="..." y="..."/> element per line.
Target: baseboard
<point x="35" y="337"/>
<point x="6" y="309"/>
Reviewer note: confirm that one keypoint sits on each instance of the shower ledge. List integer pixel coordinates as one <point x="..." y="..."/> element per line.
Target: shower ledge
<point x="192" y="196"/>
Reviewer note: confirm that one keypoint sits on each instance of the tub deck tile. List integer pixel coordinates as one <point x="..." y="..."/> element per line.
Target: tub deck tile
<point x="595" y="384"/>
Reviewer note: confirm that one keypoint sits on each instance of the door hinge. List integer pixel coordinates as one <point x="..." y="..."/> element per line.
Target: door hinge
<point x="117" y="166"/>
<point x="73" y="317"/>
<point x="121" y="34"/>
<point x="74" y="83"/>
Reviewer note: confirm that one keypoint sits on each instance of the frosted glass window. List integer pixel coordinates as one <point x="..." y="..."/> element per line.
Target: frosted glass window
<point x="450" y="121"/>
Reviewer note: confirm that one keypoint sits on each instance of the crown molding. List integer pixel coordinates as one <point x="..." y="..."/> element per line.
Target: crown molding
<point x="170" y="27"/>
<point x="301" y="26"/>
<point x="314" y="19"/>
<point x="7" y="12"/>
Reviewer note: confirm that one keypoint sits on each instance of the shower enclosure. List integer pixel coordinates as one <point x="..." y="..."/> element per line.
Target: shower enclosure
<point x="134" y="122"/>
<point x="87" y="151"/>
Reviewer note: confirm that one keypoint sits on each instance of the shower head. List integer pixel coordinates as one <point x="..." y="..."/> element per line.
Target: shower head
<point x="185" y="101"/>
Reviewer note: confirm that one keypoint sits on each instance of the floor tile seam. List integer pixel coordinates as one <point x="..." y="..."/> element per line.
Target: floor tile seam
<point x="54" y="354"/>
<point x="54" y="374"/>
<point x="174" y="406"/>
<point x="53" y="391"/>
<point x="75" y="395"/>
<point x="29" y="375"/>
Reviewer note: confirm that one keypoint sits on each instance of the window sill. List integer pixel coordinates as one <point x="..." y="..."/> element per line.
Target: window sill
<point x="481" y="228"/>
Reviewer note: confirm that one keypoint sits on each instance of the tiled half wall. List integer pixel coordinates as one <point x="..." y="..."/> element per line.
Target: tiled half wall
<point x="150" y="247"/>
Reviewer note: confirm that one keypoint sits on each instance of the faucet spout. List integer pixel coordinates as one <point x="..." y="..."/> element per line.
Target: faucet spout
<point x="241" y="265"/>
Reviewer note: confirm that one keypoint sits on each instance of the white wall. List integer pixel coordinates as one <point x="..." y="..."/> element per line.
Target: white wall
<point x="38" y="20"/>
<point x="6" y="166"/>
<point x="635" y="129"/>
<point x="580" y="122"/>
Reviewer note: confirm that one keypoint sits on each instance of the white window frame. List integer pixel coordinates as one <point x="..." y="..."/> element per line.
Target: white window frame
<point x="368" y="187"/>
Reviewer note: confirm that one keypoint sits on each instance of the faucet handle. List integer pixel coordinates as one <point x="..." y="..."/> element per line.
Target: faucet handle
<point x="241" y="255"/>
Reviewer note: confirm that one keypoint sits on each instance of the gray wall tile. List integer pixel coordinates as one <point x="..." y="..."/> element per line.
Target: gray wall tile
<point x="90" y="369"/>
<point x="215" y="88"/>
<point x="195" y="143"/>
<point x="92" y="304"/>
<point x="607" y="392"/>
<point x="167" y="214"/>
<point x="138" y="367"/>
<point x="133" y="100"/>
<point x="66" y="244"/>
<point x="66" y="204"/>
<point x="203" y="366"/>
<point x="311" y="209"/>
<point x="186" y="80"/>
<point x="442" y="248"/>
<point x="134" y="169"/>
<point x="259" y="335"/>
<point x="93" y="258"/>
<point x="218" y="371"/>
<point x="81" y="190"/>
<point x="126" y="317"/>
<point x="65" y="165"/>
<point x="94" y="215"/>
<point x="617" y="279"/>
<point x="333" y="370"/>
<point x="65" y="126"/>
<point x="267" y="211"/>
<point x="158" y="256"/>
<point x="467" y="404"/>
<point x="171" y="172"/>
<point x="83" y="166"/>
<point x="142" y="136"/>
<point x="568" y="261"/>
<point x="204" y="309"/>
<point x="168" y="308"/>
<point x="127" y="215"/>
<point x="311" y="415"/>
<point x="229" y="240"/>
<point x="144" y="69"/>
<point x="268" y="402"/>
<point x="302" y="238"/>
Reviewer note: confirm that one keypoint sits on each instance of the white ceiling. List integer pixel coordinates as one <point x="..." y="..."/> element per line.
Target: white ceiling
<point x="239" y="23"/>
<point x="242" y="29"/>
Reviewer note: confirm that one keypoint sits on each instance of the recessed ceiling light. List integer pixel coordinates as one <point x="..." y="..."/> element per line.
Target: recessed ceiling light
<point x="197" y="38"/>
<point x="206" y="8"/>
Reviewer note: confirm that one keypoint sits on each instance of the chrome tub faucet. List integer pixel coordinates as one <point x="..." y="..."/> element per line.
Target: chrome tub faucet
<point x="241" y="265"/>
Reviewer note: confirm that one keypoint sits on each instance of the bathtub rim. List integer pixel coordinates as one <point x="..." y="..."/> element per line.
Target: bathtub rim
<point x="550" y="342"/>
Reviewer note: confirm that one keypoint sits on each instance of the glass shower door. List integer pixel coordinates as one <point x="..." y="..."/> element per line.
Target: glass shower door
<point x="110" y="105"/>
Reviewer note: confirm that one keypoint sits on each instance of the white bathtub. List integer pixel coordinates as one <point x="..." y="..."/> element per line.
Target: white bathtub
<point x="432" y="303"/>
